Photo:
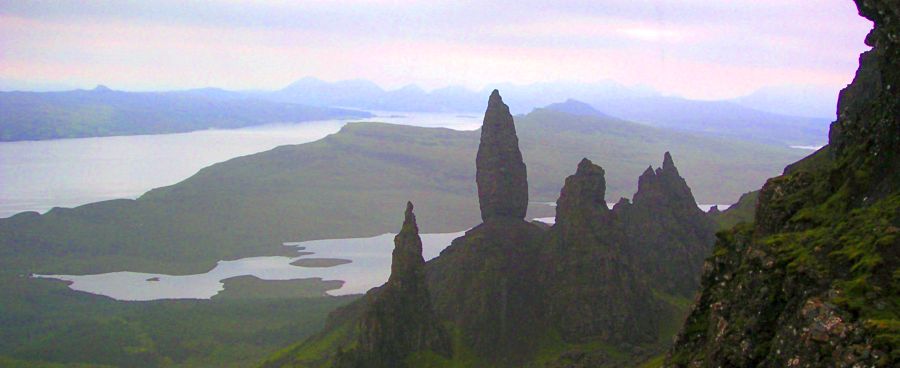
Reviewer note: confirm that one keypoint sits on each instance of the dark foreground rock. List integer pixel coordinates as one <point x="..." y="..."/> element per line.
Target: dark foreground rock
<point x="813" y="281"/>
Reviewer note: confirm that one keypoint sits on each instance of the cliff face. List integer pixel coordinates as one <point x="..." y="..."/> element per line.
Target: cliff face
<point x="500" y="171"/>
<point x="813" y="281"/>
<point x="398" y="320"/>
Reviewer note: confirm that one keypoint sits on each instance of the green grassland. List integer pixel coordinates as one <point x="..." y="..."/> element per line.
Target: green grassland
<point x="47" y="325"/>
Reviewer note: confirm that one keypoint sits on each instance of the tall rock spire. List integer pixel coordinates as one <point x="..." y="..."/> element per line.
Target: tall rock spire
<point x="407" y="262"/>
<point x="399" y="320"/>
<point x="500" y="171"/>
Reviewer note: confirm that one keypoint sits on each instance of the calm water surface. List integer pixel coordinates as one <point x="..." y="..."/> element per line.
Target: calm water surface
<point x="39" y="175"/>
<point x="370" y="266"/>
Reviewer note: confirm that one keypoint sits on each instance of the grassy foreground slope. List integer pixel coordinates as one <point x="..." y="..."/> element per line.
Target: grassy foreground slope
<point x="350" y="184"/>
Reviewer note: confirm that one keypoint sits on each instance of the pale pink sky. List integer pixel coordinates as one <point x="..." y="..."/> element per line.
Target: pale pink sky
<point x="698" y="49"/>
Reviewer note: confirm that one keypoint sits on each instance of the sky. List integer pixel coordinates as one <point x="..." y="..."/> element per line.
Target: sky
<point x="697" y="49"/>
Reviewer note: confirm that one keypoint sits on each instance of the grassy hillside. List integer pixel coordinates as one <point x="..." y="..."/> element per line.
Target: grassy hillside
<point x="719" y="118"/>
<point x="47" y="325"/>
<point x="742" y="211"/>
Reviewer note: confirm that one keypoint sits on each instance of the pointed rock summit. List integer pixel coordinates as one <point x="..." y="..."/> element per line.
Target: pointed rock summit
<point x="399" y="319"/>
<point x="664" y="185"/>
<point x="500" y="172"/>
<point x="407" y="262"/>
<point x="681" y="235"/>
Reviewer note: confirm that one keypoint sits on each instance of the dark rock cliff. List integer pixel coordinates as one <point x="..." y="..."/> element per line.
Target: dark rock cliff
<point x="500" y="171"/>
<point x="813" y="282"/>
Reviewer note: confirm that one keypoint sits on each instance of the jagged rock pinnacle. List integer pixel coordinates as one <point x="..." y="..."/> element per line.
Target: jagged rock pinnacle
<point x="407" y="261"/>
<point x="664" y="184"/>
<point x="668" y="164"/>
<point x="399" y="319"/>
<point x="500" y="172"/>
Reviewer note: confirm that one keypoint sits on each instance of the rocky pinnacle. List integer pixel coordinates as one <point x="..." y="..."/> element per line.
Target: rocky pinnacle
<point x="584" y="191"/>
<point x="500" y="171"/>
<point x="407" y="261"/>
<point x="664" y="184"/>
<point x="399" y="319"/>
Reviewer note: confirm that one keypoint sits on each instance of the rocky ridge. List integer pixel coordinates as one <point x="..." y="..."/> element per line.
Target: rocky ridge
<point x="813" y="281"/>
<point x="514" y="293"/>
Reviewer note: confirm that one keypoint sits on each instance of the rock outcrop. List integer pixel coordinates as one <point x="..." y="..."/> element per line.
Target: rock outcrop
<point x="594" y="290"/>
<point x="583" y="195"/>
<point x="500" y="172"/>
<point x="485" y="281"/>
<point x="514" y="293"/>
<point x="398" y="319"/>
<point x="813" y="282"/>
<point x="668" y="235"/>
<point x="664" y="187"/>
<point x="486" y="284"/>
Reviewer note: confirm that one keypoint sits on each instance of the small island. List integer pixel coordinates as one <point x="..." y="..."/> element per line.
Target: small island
<point x="320" y="262"/>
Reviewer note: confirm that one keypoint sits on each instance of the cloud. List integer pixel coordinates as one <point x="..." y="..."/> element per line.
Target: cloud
<point x="731" y="46"/>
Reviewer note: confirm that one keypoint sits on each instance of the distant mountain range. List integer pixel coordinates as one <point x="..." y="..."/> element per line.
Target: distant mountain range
<point x="102" y="112"/>
<point x="793" y="100"/>
<point x="772" y="115"/>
